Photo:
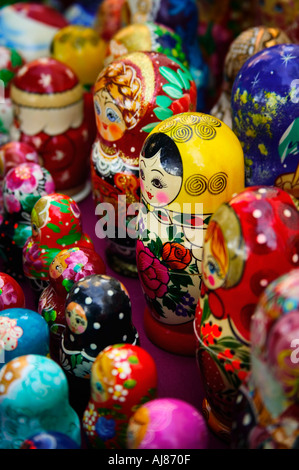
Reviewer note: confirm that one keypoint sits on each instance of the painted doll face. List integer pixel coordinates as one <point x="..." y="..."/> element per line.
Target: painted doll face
<point x="76" y="318"/>
<point x="158" y="187"/>
<point x="215" y="258"/>
<point x="109" y="118"/>
<point x="101" y="379"/>
<point x="57" y="266"/>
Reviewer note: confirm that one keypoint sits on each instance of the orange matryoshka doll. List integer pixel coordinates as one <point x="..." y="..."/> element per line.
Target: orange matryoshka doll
<point x="249" y="242"/>
<point x="189" y="165"/>
<point x="131" y="96"/>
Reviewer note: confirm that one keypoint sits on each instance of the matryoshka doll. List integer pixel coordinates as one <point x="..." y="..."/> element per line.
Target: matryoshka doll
<point x="148" y="36"/>
<point x="97" y="314"/>
<point x="249" y="242"/>
<point x="266" y="411"/>
<point x="56" y="224"/>
<point x="244" y="46"/>
<point x="68" y="267"/>
<point x="131" y="96"/>
<point x="35" y="387"/>
<point x="29" y="28"/>
<point x="11" y="293"/>
<point x="265" y="117"/>
<point x="183" y="19"/>
<point x="123" y="378"/>
<point x="49" y="114"/>
<point x="189" y="165"/>
<point x="13" y="154"/>
<point x="23" y="186"/>
<point x="10" y="62"/>
<point x="162" y="424"/>
<point x="22" y="331"/>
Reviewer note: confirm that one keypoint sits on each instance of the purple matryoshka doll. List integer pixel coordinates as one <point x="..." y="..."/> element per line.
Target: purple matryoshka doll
<point x="97" y="314"/>
<point x="49" y="114"/>
<point x="11" y="293"/>
<point x="29" y="28"/>
<point x="36" y="389"/>
<point x="23" y="186"/>
<point x="10" y="62"/>
<point x="248" y="43"/>
<point x="265" y="117"/>
<point x="162" y="424"/>
<point x="249" y="242"/>
<point x="131" y="96"/>
<point x="189" y="165"/>
<point x="266" y="412"/>
<point x="56" y="224"/>
<point x="22" y="331"/>
<point x="123" y="378"/>
<point x="68" y="267"/>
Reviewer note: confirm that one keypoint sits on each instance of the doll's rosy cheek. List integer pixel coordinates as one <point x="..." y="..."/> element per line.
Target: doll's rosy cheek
<point x="162" y="197"/>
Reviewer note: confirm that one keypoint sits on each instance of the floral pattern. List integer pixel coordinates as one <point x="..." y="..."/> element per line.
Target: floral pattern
<point x="9" y="333"/>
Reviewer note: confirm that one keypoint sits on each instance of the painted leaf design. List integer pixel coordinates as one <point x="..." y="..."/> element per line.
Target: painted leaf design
<point x="149" y="127"/>
<point x="130" y="383"/>
<point x="173" y="91"/>
<point x="185" y="79"/>
<point x="171" y="76"/>
<point x="163" y="101"/>
<point x="163" y="113"/>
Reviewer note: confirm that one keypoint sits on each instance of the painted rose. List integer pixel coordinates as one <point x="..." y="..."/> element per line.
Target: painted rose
<point x="7" y="294"/>
<point x="9" y="333"/>
<point x="153" y="275"/>
<point x="176" y="255"/>
<point x="24" y="176"/>
<point x="12" y="204"/>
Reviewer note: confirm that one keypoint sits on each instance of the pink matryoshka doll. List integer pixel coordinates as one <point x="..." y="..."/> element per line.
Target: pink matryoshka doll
<point x="131" y="96"/>
<point x="49" y="114"/>
<point x="123" y="377"/>
<point x="189" y="165"/>
<point x="68" y="267"/>
<point x="162" y="424"/>
<point x="56" y="224"/>
<point x="11" y="293"/>
<point x="267" y="410"/>
<point x="11" y="155"/>
<point x="249" y="242"/>
<point x="10" y="62"/>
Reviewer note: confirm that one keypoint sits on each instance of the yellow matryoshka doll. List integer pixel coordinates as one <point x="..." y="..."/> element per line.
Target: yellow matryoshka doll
<point x="189" y="164"/>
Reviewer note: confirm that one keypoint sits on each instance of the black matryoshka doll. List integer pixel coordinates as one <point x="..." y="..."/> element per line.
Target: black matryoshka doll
<point x="188" y="165"/>
<point x="97" y="314"/>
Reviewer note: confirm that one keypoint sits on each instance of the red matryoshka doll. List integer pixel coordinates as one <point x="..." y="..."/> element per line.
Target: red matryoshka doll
<point x="283" y="14"/>
<point x="162" y="424"/>
<point x="13" y="154"/>
<point x="56" y="224"/>
<point x="248" y="43"/>
<point x="249" y="242"/>
<point x="123" y="377"/>
<point x="23" y="186"/>
<point x="189" y="165"/>
<point x="68" y="267"/>
<point x="29" y="28"/>
<point x="11" y="293"/>
<point x="266" y="411"/>
<point x="49" y="115"/>
<point x="10" y="62"/>
<point x="131" y="96"/>
<point x="97" y="314"/>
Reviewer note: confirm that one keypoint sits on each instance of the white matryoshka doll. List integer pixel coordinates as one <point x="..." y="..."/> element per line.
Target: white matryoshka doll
<point x="189" y="165"/>
<point x="48" y="105"/>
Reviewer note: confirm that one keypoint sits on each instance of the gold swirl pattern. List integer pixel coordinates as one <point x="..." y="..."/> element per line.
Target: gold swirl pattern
<point x="217" y="183"/>
<point x="181" y="133"/>
<point x="205" y="131"/>
<point x="190" y="119"/>
<point x="211" y="120"/>
<point x="196" y="185"/>
<point x="167" y="125"/>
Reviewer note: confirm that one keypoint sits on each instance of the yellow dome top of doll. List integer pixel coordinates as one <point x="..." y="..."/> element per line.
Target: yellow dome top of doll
<point x="188" y="159"/>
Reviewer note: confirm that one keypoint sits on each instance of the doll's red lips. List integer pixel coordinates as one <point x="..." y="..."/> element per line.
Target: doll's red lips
<point x="150" y="195"/>
<point x="105" y="126"/>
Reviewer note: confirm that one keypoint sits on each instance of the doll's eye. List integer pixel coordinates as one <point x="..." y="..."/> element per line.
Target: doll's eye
<point x="142" y="174"/>
<point x="157" y="183"/>
<point x="111" y="115"/>
<point x="98" y="108"/>
<point x="34" y="227"/>
<point x="278" y="8"/>
<point x="99" y="387"/>
<point x="211" y="267"/>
